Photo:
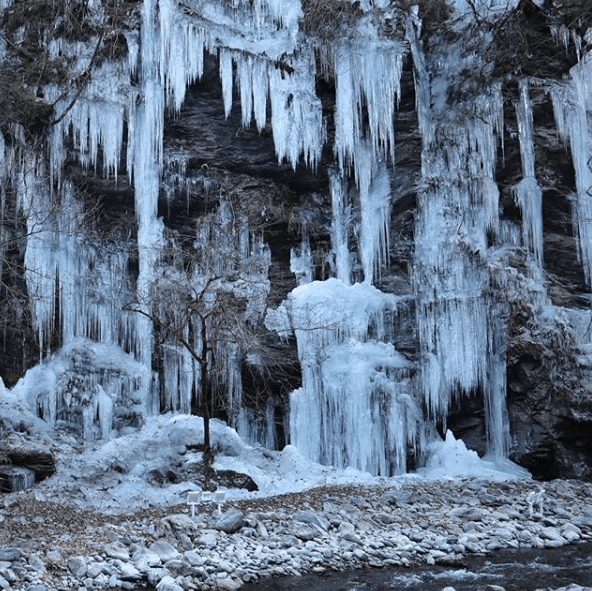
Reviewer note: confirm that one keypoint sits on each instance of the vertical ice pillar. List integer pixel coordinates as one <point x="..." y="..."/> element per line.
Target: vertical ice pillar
<point x="496" y="415"/>
<point x="528" y="193"/>
<point x="147" y="163"/>
<point x="353" y="408"/>
<point x="340" y="227"/>
<point x="571" y="105"/>
<point x="457" y="207"/>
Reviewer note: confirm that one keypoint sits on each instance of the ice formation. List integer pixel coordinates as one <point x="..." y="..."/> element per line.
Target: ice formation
<point x="362" y="403"/>
<point x="95" y="388"/>
<point x="528" y="192"/>
<point x="355" y="406"/>
<point x="457" y="209"/>
<point x="571" y="104"/>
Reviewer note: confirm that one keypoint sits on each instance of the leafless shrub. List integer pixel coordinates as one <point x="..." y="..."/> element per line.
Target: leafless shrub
<point x="433" y="13"/>
<point x="328" y="19"/>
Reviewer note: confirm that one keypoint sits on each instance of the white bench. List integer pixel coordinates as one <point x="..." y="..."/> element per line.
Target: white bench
<point x="198" y="497"/>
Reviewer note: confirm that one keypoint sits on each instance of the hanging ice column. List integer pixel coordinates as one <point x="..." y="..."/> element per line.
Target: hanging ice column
<point x="457" y="207"/>
<point x="528" y="193"/>
<point x="146" y="151"/>
<point x="571" y="104"/>
<point x="340" y="227"/>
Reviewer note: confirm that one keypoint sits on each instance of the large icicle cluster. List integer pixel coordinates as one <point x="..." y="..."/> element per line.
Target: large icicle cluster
<point x="94" y="387"/>
<point x="355" y="406"/>
<point x="461" y="335"/>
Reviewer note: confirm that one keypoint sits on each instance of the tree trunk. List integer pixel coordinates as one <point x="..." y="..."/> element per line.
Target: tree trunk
<point x="206" y="400"/>
<point x="208" y="453"/>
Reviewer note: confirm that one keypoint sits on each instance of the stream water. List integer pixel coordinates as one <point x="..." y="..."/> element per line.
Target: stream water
<point x="514" y="570"/>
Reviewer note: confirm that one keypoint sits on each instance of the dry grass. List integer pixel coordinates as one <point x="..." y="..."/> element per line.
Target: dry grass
<point x="327" y="20"/>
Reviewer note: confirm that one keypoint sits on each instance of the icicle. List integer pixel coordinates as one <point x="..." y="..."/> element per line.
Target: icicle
<point x="286" y="13"/>
<point x="147" y="164"/>
<point x="422" y="82"/>
<point x="296" y="113"/>
<point x="571" y="104"/>
<point x="226" y="78"/>
<point x="3" y="240"/>
<point x="256" y="428"/>
<point x="232" y="356"/>
<point x="360" y="80"/>
<point x="339" y="228"/>
<point x="259" y="79"/>
<point x="375" y="208"/>
<point x="41" y="269"/>
<point x="496" y="415"/>
<point x="270" y="431"/>
<point x="528" y="193"/>
<point x="245" y="80"/>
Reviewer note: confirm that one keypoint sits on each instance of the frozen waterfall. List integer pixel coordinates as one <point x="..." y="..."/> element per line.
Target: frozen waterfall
<point x="364" y="401"/>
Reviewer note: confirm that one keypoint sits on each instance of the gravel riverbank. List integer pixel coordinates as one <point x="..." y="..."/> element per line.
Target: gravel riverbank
<point x="49" y="546"/>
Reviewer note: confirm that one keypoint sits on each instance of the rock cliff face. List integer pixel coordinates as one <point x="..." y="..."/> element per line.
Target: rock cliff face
<point x="400" y="190"/>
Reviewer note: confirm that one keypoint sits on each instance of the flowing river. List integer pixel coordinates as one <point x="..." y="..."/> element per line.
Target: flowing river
<point x="514" y="570"/>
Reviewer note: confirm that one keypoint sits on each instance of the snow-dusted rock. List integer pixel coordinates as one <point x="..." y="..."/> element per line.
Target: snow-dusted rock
<point x="164" y="550"/>
<point x="230" y="522"/>
<point x="128" y="572"/>
<point x="154" y="575"/>
<point x="168" y="584"/>
<point x="209" y="539"/>
<point x="193" y="558"/>
<point x="77" y="565"/>
<point x="116" y="550"/>
<point x="10" y="554"/>
<point x="228" y="584"/>
<point x="143" y="558"/>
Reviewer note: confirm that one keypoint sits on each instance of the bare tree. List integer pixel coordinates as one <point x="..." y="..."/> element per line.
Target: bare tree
<point x="209" y="298"/>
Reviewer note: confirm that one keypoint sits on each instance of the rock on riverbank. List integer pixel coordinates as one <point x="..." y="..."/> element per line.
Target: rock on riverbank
<point x="44" y="546"/>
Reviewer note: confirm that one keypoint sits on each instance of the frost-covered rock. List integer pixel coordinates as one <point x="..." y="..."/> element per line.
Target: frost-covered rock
<point x="77" y="565"/>
<point x="168" y="584"/>
<point x="230" y="522"/>
<point x="164" y="551"/>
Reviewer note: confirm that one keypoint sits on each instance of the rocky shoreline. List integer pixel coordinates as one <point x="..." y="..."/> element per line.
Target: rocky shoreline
<point x="45" y="546"/>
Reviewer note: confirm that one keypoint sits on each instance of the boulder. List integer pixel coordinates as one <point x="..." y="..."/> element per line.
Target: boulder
<point x="230" y="522"/>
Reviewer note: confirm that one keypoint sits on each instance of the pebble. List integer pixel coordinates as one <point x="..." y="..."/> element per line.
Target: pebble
<point x="164" y="550"/>
<point x="77" y="566"/>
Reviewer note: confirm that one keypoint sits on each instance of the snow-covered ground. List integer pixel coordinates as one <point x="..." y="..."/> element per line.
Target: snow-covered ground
<point x="118" y="475"/>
